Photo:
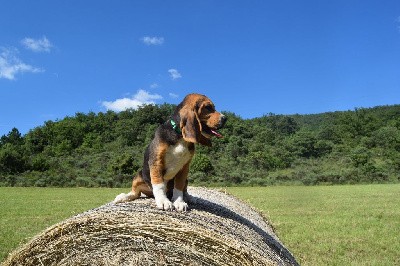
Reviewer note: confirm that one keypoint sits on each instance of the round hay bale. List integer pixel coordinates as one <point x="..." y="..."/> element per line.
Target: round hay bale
<point x="218" y="229"/>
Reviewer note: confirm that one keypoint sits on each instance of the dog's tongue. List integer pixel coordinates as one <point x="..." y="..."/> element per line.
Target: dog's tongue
<point x="216" y="133"/>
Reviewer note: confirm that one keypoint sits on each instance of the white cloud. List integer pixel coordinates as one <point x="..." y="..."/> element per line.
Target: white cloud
<point x="173" y="95"/>
<point x="174" y="73"/>
<point x="39" y="45"/>
<point x="152" y="40"/>
<point x="154" y="86"/>
<point x="140" y="98"/>
<point x="11" y="65"/>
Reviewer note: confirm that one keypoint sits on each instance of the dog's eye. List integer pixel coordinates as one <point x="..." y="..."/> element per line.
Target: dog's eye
<point x="209" y="108"/>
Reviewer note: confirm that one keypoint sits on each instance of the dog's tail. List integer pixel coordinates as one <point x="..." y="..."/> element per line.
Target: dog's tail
<point x="138" y="187"/>
<point x="125" y="197"/>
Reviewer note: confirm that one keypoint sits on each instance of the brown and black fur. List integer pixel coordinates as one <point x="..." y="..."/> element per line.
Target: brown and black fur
<point x="194" y="121"/>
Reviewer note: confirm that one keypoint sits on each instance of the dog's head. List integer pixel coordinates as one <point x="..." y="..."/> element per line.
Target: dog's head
<point x="199" y="120"/>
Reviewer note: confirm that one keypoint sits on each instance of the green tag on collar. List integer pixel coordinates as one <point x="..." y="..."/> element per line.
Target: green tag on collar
<point x="175" y="127"/>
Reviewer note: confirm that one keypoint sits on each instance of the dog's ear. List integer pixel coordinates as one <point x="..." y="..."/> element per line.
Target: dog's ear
<point x="189" y="124"/>
<point x="191" y="127"/>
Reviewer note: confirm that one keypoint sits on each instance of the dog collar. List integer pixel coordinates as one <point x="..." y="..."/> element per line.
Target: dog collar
<point x="175" y="126"/>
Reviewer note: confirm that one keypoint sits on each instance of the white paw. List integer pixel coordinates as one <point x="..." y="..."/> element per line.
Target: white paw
<point x="164" y="204"/>
<point x="180" y="205"/>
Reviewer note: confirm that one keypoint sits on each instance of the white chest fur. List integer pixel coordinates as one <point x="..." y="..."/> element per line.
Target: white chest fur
<point x="175" y="158"/>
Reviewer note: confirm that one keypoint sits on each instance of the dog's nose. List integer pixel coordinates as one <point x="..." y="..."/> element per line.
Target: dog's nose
<point x="223" y="120"/>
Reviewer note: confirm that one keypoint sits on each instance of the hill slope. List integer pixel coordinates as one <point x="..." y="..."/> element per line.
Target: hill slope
<point x="105" y="149"/>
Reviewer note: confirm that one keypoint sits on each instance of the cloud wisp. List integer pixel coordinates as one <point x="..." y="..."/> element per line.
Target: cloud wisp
<point x="398" y="23"/>
<point x="37" y="45"/>
<point x="154" y="86"/>
<point x="11" y="65"/>
<point x="174" y="74"/>
<point x="152" y="40"/>
<point x="173" y="95"/>
<point x="140" y="98"/>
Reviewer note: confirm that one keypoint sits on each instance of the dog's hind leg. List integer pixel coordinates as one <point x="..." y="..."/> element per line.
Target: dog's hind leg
<point x="138" y="187"/>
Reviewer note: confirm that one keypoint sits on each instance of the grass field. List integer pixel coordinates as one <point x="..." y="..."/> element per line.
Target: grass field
<point x="322" y="225"/>
<point x="333" y="225"/>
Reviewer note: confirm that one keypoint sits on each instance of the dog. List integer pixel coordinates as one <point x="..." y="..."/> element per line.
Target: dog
<point x="167" y="158"/>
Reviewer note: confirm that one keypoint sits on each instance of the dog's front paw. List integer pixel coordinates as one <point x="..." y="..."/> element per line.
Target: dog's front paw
<point x="164" y="204"/>
<point x="180" y="205"/>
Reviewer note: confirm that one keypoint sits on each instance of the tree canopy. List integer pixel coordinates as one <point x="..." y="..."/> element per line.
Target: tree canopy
<point x="106" y="149"/>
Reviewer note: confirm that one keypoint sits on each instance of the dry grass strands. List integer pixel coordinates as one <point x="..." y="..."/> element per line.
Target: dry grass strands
<point x="218" y="230"/>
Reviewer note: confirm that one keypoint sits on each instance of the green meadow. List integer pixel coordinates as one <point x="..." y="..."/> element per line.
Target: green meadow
<point x="321" y="225"/>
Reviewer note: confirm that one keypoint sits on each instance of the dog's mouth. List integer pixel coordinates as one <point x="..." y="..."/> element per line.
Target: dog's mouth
<point x="209" y="132"/>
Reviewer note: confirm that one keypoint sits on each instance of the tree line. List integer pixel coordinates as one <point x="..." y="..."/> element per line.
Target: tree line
<point x="106" y="149"/>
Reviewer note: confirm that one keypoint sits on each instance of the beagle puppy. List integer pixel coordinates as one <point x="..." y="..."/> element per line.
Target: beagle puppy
<point x="168" y="156"/>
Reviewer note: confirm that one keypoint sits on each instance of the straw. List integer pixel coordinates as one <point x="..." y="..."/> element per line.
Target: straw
<point x="218" y="229"/>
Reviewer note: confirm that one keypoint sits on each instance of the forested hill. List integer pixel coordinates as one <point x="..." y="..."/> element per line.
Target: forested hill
<point x="106" y="149"/>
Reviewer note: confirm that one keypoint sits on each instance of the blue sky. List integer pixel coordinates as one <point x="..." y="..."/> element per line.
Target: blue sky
<point x="250" y="57"/>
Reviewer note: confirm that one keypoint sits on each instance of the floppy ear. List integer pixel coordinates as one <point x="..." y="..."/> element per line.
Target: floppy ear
<point x="191" y="127"/>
